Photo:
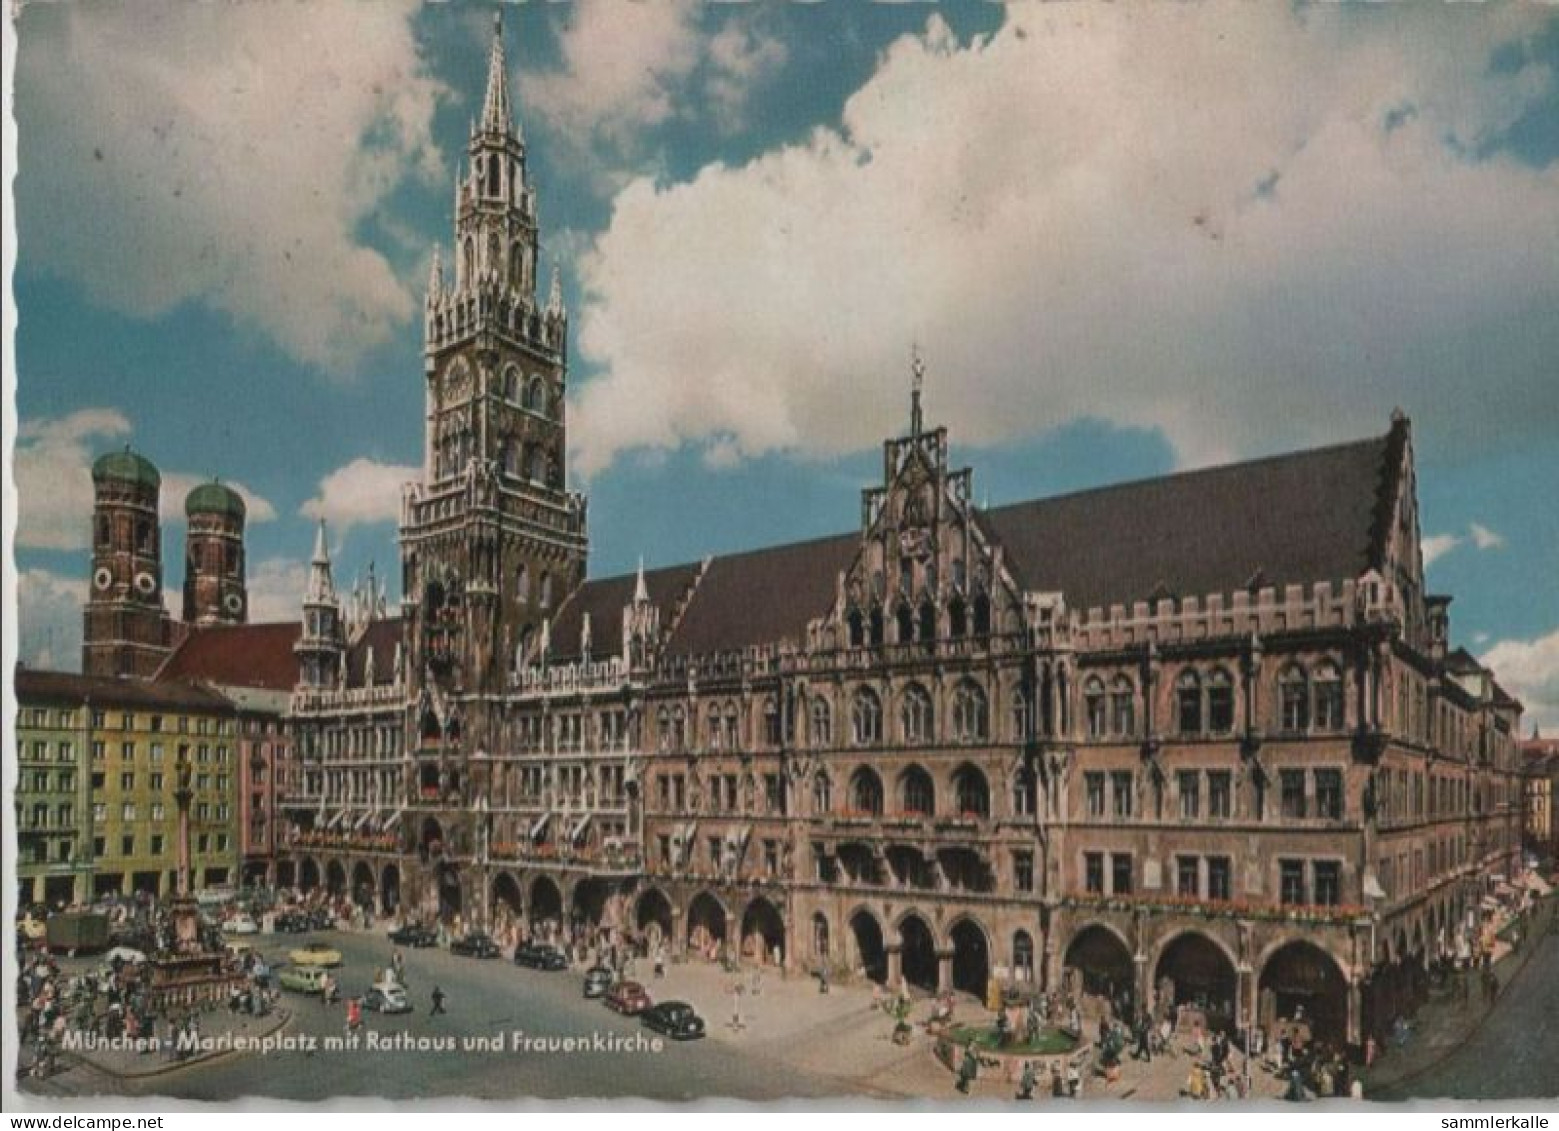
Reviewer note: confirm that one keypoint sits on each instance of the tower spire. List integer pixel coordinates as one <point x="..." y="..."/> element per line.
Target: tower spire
<point x="436" y="276"/>
<point x="555" y="292"/>
<point x="322" y="587"/>
<point x="917" y="368"/>
<point x="641" y="591"/>
<point x="495" y="107"/>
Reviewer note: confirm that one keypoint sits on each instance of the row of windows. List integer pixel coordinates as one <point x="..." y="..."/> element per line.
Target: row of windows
<point x="912" y="625"/>
<point x="156" y="811"/>
<point x="915" y="793"/>
<point x="1301" y="882"/>
<point x="204" y="843"/>
<point x="1209" y="794"/>
<point x="65" y="719"/>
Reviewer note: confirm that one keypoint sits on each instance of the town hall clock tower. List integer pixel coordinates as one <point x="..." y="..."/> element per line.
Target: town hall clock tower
<point x="492" y="542"/>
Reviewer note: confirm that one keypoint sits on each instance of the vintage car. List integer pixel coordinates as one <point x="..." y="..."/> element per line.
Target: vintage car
<point x="628" y="998"/>
<point x="240" y="923"/>
<point x="675" y="1019"/>
<point x="414" y="935"/>
<point x="386" y="999"/>
<point x="303" y="979"/>
<point x="315" y="954"/>
<point x="598" y="979"/>
<point x="540" y="956"/>
<point x="475" y="945"/>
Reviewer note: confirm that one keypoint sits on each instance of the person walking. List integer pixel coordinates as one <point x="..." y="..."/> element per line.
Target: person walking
<point x="1027" y="1081"/>
<point x="968" y="1069"/>
<point x="438" y="1001"/>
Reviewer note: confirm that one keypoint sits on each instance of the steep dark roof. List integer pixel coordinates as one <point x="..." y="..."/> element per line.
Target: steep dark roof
<point x="245" y="655"/>
<point x="34" y="686"/>
<point x="763" y="596"/>
<point x="1290" y="519"/>
<point x="384" y="637"/>
<point x="604" y="598"/>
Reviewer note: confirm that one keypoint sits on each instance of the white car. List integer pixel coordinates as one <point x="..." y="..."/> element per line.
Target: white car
<point x="241" y="924"/>
<point x="386" y="998"/>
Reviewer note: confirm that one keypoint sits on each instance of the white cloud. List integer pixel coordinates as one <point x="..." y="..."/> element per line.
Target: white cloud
<point x="630" y="67"/>
<point x="1192" y="217"/>
<point x="54" y="479"/>
<point x="276" y="588"/>
<point x="48" y="608"/>
<point x="226" y="155"/>
<point x="1436" y="546"/>
<point x="1484" y="538"/>
<point x="1529" y="670"/>
<point x="53" y="465"/>
<point x="361" y="493"/>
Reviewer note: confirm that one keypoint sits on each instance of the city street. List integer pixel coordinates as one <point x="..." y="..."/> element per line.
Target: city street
<point x="1514" y="1053"/>
<point x="485" y="999"/>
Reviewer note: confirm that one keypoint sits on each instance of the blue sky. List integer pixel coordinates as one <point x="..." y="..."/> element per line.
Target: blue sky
<point x="1127" y="241"/>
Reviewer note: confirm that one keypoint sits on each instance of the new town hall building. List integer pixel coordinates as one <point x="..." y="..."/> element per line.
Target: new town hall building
<point x="1199" y="739"/>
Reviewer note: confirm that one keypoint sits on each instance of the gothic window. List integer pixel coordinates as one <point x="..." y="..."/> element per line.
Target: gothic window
<point x="927" y="622"/>
<point x="866" y="718"/>
<point x="822" y="722"/>
<point x="771" y="722"/>
<point x="663" y="728"/>
<point x="1094" y="706"/>
<point x="906" y="624"/>
<point x="1294" y="699"/>
<point x="982" y="615"/>
<point x="917" y="794"/>
<point x="1123" y="706"/>
<point x="1220" y="702"/>
<point x="822" y="793"/>
<point x="516" y="266"/>
<point x="468" y="262"/>
<point x="493" y="172"/>
<point x="957" y="618"/>
<point x="546" y="590"/>
<point x="857" y="625"/>
<point x="713" y="736"/>
<point x="1023" y="792"/>
<point x="492" y="243"/>
<point x="536" y="400"/>
<point x="1328" y="697"/>
<point x="522" y="584"/>
<point x="959" y="576"/>
<point x="1022" y="715"/>
<point x="866" y="792"/>
<point x="1023" y="952"/>
<point x="511" y="384"/>
<point x="915" y="714"/>
<point x="971" y="713"/>
<point x="1188" y="699"/>
<point x="972" y="791"/>
<point x="538" y="464"/>
<point x="143" y="537"/>
<point x="876" y="626"/>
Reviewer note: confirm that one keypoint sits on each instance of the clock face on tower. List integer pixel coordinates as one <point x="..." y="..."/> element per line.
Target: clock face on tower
<point x="103" y="578"/>
<point x="457" y="383"/>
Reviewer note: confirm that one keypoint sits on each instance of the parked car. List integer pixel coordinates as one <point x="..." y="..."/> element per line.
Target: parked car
<point x="303" y="979"/>
<point x="321" y="919"/>
<point x="292" y="923"/>
<point x="675" y="1019"/>
<point x="540" y="956"/>
<point x="598" y="979"/>
<point x="241" y="924"/>
<point x="475" y="945"/>
<point x="414" y="935"/>
<point x="628" y="998"/>
<point x="315" y="954"/>
<point x="386" y="999"/>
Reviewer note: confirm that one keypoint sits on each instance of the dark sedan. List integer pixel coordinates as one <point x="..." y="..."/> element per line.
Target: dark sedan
<point x="475" y="945"/>
<point x="414" y="935"/>
<point x="540" y="956"/>
<point x="292" y="923"/>
<point x="675" y="1019"/>
<point x="598" y="979"/>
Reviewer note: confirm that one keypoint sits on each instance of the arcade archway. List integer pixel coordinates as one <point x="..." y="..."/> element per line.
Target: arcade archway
<point x="335" y="878"/>
<point x="705" y="924"/>
<point x="589" y="902"/>
<point x="763" y="933"/>
<point x="1300" y="981"/>
<point x="390" y="889"/>
<point x="363" y="886"/>
<point x="1195" y="971"/>
<point x="653" y="917"/>
<point x="308" y="874"/>
<point x="507" y="901"/>
<point x="871" y="957"/>
<point x="1100" y="963"/>
<point x="546" y="902"/>
<point x="971" y="957"/>
<point x="917" y="954"/>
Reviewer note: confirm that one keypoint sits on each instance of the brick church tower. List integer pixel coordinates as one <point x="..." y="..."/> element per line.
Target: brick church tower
<point x="492" y="542"/>
<point x="126" y="630"/>
<point x="214" y="589"/>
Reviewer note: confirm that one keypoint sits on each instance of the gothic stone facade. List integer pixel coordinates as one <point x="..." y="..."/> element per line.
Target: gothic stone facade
<point x="1193" y="740"/>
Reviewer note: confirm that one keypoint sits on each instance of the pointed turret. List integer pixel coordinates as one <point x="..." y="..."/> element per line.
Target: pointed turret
<point x="436" y="277"/>
<point x="555" y="293"/>
<point x="321" y="646"/>
<point x="641" y="591"/>
<point x="495" y="107"/>
<point x="322" y="586"/>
